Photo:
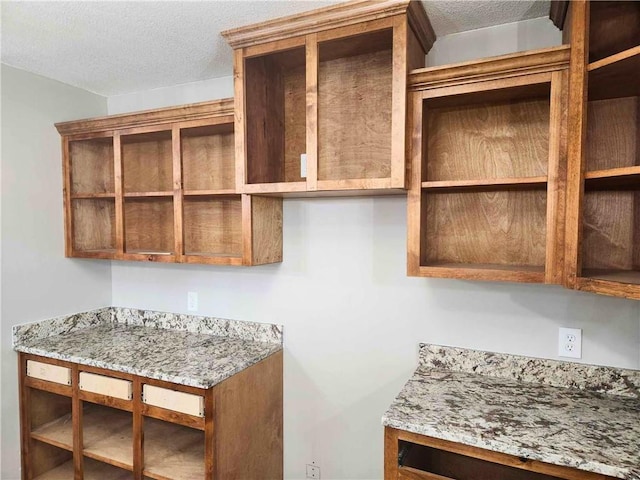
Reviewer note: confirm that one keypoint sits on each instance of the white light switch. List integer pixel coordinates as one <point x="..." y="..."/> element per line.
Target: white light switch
<point x="303" y="165"/>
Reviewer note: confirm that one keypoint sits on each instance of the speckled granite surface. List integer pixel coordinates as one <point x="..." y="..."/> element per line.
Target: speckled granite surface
<point x="183" y="349"/>
<point x="568" y="426"/>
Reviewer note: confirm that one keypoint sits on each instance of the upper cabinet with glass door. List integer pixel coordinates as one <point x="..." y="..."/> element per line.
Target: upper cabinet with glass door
<point x="321" y="98"/>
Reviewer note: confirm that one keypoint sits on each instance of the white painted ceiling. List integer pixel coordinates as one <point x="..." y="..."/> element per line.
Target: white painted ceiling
<point x="114" y="47"/>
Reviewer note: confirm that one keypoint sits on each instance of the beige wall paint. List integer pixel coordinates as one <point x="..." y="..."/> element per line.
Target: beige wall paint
<point x="37" y="281"/>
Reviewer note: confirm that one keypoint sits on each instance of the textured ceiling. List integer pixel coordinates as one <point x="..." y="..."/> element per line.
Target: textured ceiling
<point x="120" y="47"/>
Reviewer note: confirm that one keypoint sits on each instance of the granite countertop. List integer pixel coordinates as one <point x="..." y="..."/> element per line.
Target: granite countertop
<point x="188" y="350"/>
<point x="556" y="412"/>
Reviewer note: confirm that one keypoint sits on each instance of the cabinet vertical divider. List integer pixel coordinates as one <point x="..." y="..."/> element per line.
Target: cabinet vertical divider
<point x="556" y="175"/>
<point x="240" y="135"/>
<point x="577" y="132"/>
<point x="178" y="227"/>
<point x="398" y="101"/>
<point x="66" y="192"/>
<point x="76" y="420"/>
<point x="138" y="431"/>
<point x="209" y="435"/>
<point x="247" y="230"/>
<point x="414" y="241"/>
<point x="312" y="60"/>
<point x="118" y="180"/>
<point x="25" y="419"/>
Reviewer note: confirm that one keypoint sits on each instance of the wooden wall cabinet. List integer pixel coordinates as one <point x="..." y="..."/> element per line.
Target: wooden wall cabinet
<point x="68" y="431"/>
<point x="329" y="84"/>
<point x="603" y="195"/>
<point x="486" y="200"/>
<point x="160" y="186"/>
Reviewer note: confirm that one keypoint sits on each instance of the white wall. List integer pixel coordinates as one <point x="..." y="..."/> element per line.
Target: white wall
<point x="37" y="281"/>
<point x="353" y="318"/>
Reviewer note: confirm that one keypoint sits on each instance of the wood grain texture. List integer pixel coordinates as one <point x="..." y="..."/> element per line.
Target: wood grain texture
<point x="208" y="161"/>
<point x="333" y="17"/>
<point x="503" y="140"/>
<point x="93" y="470"/>
<point x="390" y="453"/>
<point x="177" y="180"/>
<point x="45" y="457"/>
<point x="94" y="226"/>
<point x="149" y="225"/>
<point x="147" y="162"/>
<point x="295" y="130"/>
<point x="613" y="178"/>
<point x="492" y="68"/>
<point x="363" y="148"/>
<point x="558" y="12"/>
<point x="266" y="230"/>
<point x="610" y="229"/>
<point x="614" y="27"/>
<point x="408" y="473"/>
<point x="92" y="166"/>
<point x="576" y="131"/>
<point x="107" y="435"/>
<point x="119" y="190"/>
<point x="565" y="473"/>
<point x="484" y="272"/>
<point x="213" y="226"/>
<point x="613" y="130"/>
<point x="416" y="210"/>
<point x="504" y="228"/>
<point x="312" y="65"/>
<point x="248" y="422"/>
<point x="618" y="78"/>
<point x="182" y="113"/>
<point x="172" y="451"/>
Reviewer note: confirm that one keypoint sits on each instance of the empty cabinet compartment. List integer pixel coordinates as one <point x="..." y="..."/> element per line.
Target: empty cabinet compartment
<point x="173" y="400"/>
<point x="111" y="387"/>
<point x="48" y="372"/>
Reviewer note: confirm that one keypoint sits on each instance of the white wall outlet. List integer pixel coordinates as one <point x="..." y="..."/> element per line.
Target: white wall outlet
<point x="570" y="342"/>
<point x="192" y="301"/>
<point x="303" y="169"/>
<point x="313" y="471"/>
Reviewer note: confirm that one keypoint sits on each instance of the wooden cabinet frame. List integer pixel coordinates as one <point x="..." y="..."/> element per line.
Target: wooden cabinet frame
<point x="467" y="453"/>
<point x="605" y="65"/>
<point x="242" y="424"/>
<point x="163" y="218"/>
<point x="411" y="38"/>
<point x="502" y="81"/>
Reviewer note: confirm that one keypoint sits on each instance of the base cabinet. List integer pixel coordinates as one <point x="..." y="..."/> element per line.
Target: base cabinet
<point x="409" y="456"/>
<point x="90" y="430"/>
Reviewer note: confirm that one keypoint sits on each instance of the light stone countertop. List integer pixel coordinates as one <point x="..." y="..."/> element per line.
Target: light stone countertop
<point x="174" y="351"/>
<point x="587" y="428"/>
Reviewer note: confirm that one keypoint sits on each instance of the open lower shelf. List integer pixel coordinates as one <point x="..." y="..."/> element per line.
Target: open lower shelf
<point x="108" y="435"/>
<point x="93" y="470"/>
<point x="58" y="432"/>
<point x="487" y="184"/>
<point x="172" y="451"/>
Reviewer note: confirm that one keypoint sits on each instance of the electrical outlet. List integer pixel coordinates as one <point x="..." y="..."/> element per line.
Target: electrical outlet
<point x="313" y="471"/>
<point x="192" y="301"/>
<point x="570" y="342"/>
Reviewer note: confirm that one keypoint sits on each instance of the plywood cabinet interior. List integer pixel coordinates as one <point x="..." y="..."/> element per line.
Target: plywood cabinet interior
<point x="486" y="196"/>
<point x="603" y="212"/>
<point x="321" y="97"/>
<point x="160" y="186"/>
<point x="70" y="432"/>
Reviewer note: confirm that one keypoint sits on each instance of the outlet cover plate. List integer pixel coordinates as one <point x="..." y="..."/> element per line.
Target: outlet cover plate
<point x="570" y="342"/>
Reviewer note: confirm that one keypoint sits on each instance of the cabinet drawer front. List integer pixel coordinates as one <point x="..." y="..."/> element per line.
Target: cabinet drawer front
<point x="48" y="372"/>
<point x="112" y="387"/>
<point x="173" y="400"/>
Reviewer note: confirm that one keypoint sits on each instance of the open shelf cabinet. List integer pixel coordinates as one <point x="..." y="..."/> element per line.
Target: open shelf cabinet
<point x="603" y="191"/>
<point x="90" y="430"/>
<point x="485" y="200"/>
<point x="161" y="186"/>
<point x="321" y="98"/>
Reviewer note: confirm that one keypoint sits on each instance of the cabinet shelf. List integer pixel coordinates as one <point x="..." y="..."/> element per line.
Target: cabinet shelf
<point x="203" y="193"/>
<point x="108" y="435"/>
<point x="614" y="178"/>
<point x="488" y="184"/>
<point x="147" y="194"/>
<point x="172" y="451"/>
<point x="477" y="271"/>
<point x="631" y="277"/>
<point x="81" y="196"/>
<point x="93" y="470"/>
<point x="58" y="432"/>
<point x="615" y="76"/>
